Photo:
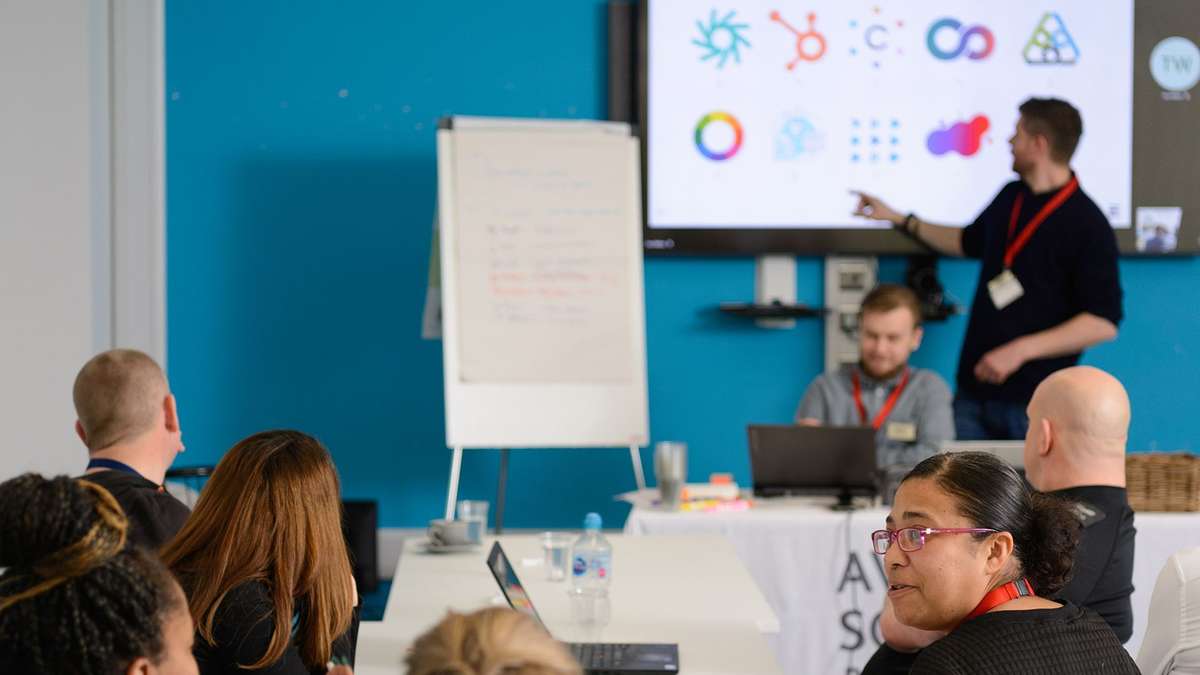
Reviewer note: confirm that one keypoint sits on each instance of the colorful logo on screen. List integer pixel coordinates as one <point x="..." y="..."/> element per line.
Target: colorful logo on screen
<point x="721" y="38"/>
<point x="877" y="35"/>
<point x="719" y="118"/>
<point x="964" y="33"/>
<point x="961" y="137"/>
<point x="1051" y="43"/>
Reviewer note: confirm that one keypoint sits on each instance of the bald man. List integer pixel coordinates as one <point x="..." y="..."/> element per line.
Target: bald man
<point x="128" y="420"/>
<point x="1074" y="448"/>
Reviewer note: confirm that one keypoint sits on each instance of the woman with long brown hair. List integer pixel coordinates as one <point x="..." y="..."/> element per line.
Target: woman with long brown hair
<point x="264" y="563"/>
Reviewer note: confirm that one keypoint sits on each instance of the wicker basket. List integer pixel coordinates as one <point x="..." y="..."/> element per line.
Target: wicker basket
<point x="1163" y="481"/>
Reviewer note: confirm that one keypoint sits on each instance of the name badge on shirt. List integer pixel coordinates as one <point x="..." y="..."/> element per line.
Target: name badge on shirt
<point x="904" y="432"/>
<point x="1005" y="289"/>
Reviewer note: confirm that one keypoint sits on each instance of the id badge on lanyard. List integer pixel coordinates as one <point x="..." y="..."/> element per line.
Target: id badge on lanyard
<point x="1005" y="288"/>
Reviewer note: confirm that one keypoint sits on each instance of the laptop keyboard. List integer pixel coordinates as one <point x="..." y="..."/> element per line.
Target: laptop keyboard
<point x="599" y="655"/>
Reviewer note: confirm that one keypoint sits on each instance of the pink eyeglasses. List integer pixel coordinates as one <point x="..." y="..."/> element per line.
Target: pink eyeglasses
<point x="913" y="538"/>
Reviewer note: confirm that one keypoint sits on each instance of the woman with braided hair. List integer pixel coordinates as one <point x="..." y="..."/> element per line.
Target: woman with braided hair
<point x="73" y="599"/>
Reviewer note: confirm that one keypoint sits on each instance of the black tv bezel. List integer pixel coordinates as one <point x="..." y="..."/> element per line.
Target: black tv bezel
<point x="808" y="241"/>
<point x="744" y="241"/>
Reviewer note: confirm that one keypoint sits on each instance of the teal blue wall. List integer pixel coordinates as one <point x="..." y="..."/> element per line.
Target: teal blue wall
<point x="300" y="190"/>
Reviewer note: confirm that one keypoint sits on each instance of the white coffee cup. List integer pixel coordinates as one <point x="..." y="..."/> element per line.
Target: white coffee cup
<point x="449" y="532"/>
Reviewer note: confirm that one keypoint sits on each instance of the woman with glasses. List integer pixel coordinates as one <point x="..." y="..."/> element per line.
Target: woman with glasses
<point x="972" y="551"/>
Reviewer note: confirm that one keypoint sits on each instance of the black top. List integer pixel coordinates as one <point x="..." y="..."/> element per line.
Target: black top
<point x="154" y="515"/>
<point x="1102" y="579"/>
<point x="242" y="629"/>
<point x="1067" y="267"/>
<point x="1066" y="640"/>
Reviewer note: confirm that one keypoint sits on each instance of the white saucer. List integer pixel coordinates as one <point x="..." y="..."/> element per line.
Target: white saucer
<point x="430" y="547"/>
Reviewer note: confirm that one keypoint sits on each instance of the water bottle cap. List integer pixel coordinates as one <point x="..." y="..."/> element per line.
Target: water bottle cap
<point x="592" y="521"/>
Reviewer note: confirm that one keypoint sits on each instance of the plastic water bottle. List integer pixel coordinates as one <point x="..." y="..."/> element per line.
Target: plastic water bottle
<point x="591" y="573"/>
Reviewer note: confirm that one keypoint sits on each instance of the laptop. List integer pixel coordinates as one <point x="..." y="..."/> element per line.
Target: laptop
<point x="789" y="459"/>
<point x="597" y="658"/>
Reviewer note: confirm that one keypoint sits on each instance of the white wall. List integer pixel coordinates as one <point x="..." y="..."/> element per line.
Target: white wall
<point x="51" y="320"/>
<point x="62" y="162"/>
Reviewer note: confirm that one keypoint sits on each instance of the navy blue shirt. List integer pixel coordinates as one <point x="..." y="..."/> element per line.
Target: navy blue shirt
<point x="1068" y="266"/>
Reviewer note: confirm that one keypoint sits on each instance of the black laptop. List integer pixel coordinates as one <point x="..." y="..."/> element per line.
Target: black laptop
<point x="597" y="658"/>
<point x="792" y="459"/>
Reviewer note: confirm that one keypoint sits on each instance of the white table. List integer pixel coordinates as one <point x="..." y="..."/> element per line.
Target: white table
<point x="818" y="572"/>
<point x="691" y="590"/>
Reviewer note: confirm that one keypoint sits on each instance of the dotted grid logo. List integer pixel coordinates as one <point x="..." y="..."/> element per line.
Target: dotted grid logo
<point x="964" y="138"/>
<point x="730" y="124"/>
<point x="810" y="45"/>
<point x="1051" y="43"/>
<point x="879" y="35"/>
<point x="959" y="40"/>
<point x="1175" y="64"/>
<point x="721" y="38"/>
<point x="874" y="140"/>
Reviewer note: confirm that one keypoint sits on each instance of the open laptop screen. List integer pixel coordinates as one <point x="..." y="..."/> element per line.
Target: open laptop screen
<point x="510" y="585"/>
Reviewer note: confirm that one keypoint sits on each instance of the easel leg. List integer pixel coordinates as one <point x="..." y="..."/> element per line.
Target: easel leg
<point x="452" y="491"/>
<point x="635" y="453"/>
<point x="501" y="486"/>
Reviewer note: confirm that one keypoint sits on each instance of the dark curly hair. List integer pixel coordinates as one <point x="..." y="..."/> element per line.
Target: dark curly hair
<point x="991" y="494"/>
<point x="73" y="599"/>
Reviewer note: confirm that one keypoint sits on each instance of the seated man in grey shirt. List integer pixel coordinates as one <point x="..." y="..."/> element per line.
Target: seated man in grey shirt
<point x="908" y="407"/>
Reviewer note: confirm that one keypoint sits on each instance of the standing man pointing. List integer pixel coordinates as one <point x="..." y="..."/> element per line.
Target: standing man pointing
<point x="1048" y="283"/>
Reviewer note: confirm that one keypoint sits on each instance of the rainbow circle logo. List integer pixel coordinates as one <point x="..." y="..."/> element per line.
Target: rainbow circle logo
<point x="712" y="118"/>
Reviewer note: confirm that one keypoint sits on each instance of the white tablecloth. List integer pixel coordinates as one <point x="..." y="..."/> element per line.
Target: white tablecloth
<point x="817" y="570"/>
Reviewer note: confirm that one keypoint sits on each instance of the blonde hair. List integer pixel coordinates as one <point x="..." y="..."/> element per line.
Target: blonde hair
<point x="117" y="396"/>
<point x="494" y="641"/>
<point x="270" y="513"/>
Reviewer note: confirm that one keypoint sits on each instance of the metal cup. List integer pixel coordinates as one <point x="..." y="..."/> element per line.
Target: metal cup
<point x="670" y="471"/>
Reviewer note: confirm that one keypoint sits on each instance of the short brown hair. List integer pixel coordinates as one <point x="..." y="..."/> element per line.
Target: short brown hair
<point x="117" y="395"/>
<point x="493" y="640"/>
<point x="1058" y="121"/>
<point x="886" y="297"/>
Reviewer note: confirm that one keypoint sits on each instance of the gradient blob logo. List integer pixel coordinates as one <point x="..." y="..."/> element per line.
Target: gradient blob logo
<point x="732" y="125"/>
<point x="933" y="40"/>
<point x="961" y="137"/>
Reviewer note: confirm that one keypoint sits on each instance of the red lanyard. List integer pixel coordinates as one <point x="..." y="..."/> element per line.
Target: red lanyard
<point x="887" y="406"/>
<point x="1014" y="246"/>
<point x="1001" y="594"/>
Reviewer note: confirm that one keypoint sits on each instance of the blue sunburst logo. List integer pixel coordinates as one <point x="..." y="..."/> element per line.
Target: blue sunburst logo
<point x="721" y="38"/>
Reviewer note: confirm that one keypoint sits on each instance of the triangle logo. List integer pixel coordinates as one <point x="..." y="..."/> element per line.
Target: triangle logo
<point x="1051" y="44"/>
